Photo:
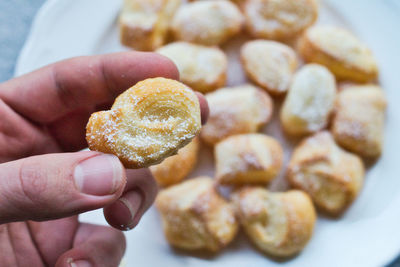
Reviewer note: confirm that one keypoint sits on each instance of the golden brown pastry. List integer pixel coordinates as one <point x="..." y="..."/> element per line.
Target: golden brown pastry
<point x="309" y="101"/>
<point x="195" y="217"/>
<point x="332" y="176"/>
<point x="207" y="22"/>
<point x="175" y="168"/>
<point x="248" y="159"/>
<point x="269" y="64"/>
<point x="202" y="68"/>
<point x="147" y="123"/>
<point x="236" y="110"/>
<point x="279" y="19"/>
<point x="144" y="23"/>
<point x="340" y="51"/>
<point x="279" y="224"/>
<point x="359" y="119"/>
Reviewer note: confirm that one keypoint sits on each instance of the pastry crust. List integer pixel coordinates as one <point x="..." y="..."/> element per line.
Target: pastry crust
<point x="279" y="19"/>
<point x="269" y="64"/>
<point x="248" y="159"/>
<point x="236" y="110"/>
<point x="144" y="23"/>
<point x="195" y="217"/>
<point x="207" y="22"/>
<point x="309" y="101"/>
<point x="359" y="119"/>
<point x="279" y="224"/>
<point x="340" y="51"/>
<point x="332" y="176"/>
<point x="202" y="68"/>
<point x="175" y="168"/>
<point x="147" y="123"/>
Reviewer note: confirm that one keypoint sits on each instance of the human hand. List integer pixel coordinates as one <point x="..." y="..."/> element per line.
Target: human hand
<point x="46" y="112"/>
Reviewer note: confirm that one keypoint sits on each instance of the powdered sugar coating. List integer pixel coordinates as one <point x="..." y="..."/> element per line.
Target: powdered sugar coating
<point x="310" y="100"/>
<point x="332" y="176"/>
<point x="202" y="68"/>
<point x="236" y="110"/>
<point x="147" y="123"/>
<point x="248" y="159"/>
<point x="269" y="64"/>
<point x="279" y="19"/>
<point x="207" y="22"/>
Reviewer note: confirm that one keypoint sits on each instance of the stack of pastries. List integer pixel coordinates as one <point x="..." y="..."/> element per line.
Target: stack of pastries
<point x="323" y="80"/>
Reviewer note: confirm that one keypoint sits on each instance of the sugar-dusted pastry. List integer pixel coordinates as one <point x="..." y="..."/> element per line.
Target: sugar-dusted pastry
<point x="248" y="159"/>
<point x="332" y="176"/>
<point x="279" y="19"/>
<point x="144" y="23"/>
<point x="147" y="123"/>
<point x="236" y="110"/>
<point x="175" y="168"/>
<point x="310" y="100"/>
<point x="279" y="224"/>
<point x="340" y="51"/>
<point x="201" y="67"/>
<point x="207" y="22"/>
<point x="195" y="217"/>
<point x="269" y="64"/>
<point x="359" y="119"/>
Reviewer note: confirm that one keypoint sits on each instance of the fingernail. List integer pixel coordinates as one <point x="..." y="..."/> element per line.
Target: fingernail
<point x="99" y="175"/>
<point x="80" y="263"/>
<point x="129" y="204"/>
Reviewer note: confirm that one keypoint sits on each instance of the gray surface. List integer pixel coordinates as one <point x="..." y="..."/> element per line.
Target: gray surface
<point x="15" y="20"/>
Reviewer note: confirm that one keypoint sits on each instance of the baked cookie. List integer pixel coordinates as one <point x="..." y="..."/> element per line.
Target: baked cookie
<point x="195" y="217"/>
<point x="332" y="176"/>
<point x="248" y="159"/>
<point x="144" y="23"/>
<point x="269" y="64"/>
<point x="309" y="101"/>
<point x="147" y="123"/>
<point x="279" y="224"/>
<point x="201" y="67"/>
<point x="236" y="110"/>
<point x="207" y="22"/>
<point x="340" y="51"/>
<point x="279" y="19"/>
<point x="175" y="168"/>
<point x="359" y="119"/>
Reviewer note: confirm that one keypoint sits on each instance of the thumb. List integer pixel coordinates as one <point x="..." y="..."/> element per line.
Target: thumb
<point x="58" y="185"/>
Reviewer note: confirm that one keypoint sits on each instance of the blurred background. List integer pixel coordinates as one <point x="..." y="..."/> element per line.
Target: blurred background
<point x="15" y="21"/>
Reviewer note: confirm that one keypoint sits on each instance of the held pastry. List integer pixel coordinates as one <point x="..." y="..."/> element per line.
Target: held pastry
<point x="279" y="224"/>
<point x="195" y="217"/>
<point x="202" y="68"/>
<point x="236" y="110"/>
<point x="144" y="23"/>
<point x="359" y="119"/>
<point x="279" y="19"/>
<point x="340" y="51"/>
<point x="269" y="64"/>
<point x="207" y="22"/>
<point x="309" y="101"/>
<point x="175" y="168"/>
<point x="147" y="123"/>
<point x="332" y="176"/>
<point x="248" y="159"/>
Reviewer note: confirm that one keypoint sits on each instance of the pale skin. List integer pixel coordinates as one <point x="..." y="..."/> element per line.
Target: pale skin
<point x="45" y="183"/>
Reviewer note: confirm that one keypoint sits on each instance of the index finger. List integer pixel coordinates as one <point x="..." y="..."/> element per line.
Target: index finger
<point x="52" y="92"/>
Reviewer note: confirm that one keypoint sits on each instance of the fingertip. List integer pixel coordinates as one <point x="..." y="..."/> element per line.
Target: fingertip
<point x="166" y="66"/>
<point x="204" y="108"/>
<point x="126" y="212"/>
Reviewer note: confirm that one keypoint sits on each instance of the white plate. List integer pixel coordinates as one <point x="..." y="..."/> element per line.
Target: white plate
<point x="367" y="235"/>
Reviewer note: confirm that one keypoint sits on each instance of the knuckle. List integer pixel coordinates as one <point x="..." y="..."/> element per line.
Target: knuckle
<point x="33" y="181"/>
